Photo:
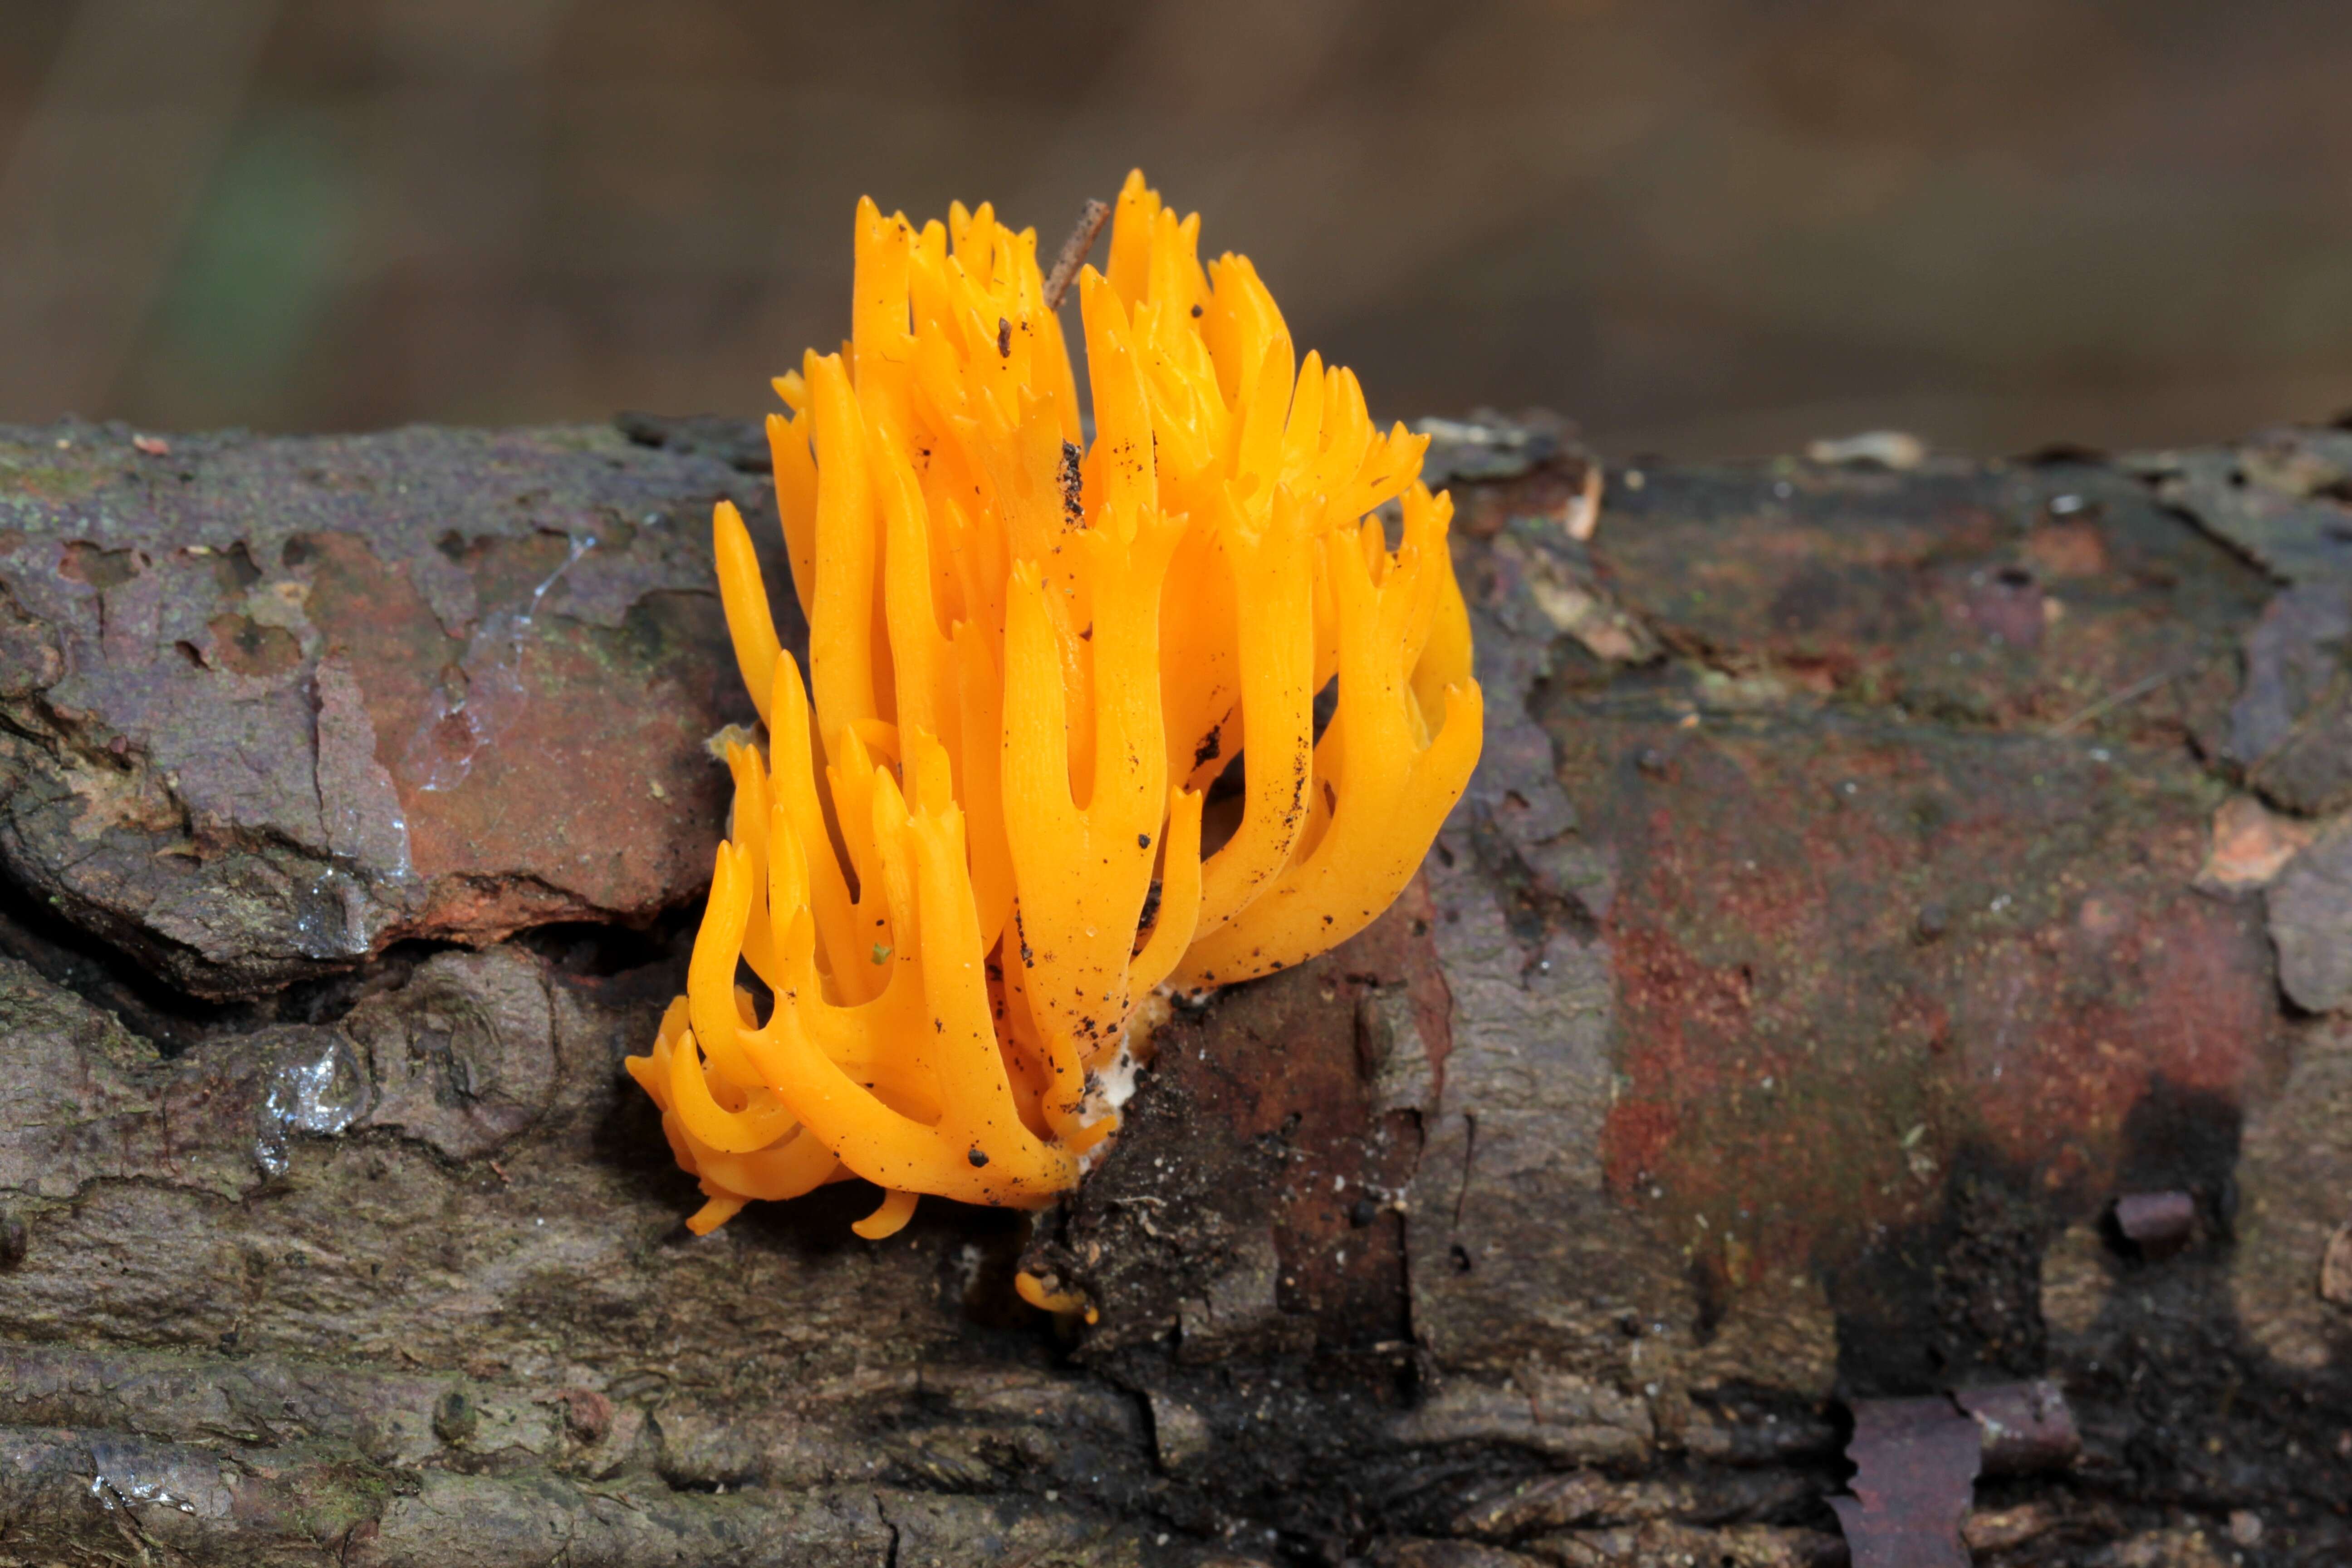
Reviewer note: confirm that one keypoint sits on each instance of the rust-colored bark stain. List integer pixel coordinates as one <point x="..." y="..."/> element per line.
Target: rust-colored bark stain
<point x="1841" y="959"/>
<point x="1288" y="1074"/>
<point x="371" y="687"/>
<point x="1851" y="944"/>
<point x="2071" y="548"/>
<point x="507" y="749"/>
<point x="1259" y="1117"/>
<point x="241" y="645"/>
<point x="2064" y="1033"/>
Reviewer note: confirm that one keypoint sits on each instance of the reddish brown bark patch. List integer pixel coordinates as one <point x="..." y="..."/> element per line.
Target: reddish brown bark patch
<point x="1844" y="954"/>
<point x="328" y="694"/>
<point x="1274" y="1135"/>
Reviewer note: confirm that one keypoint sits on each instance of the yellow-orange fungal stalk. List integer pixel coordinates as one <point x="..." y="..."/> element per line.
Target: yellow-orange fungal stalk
<point x="972" y="844"/>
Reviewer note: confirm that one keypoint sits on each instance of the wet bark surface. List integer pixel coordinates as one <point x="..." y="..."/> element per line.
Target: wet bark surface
<point x="1887" y="975"/>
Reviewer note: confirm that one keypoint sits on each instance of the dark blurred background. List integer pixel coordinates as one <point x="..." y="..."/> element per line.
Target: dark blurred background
<point x="1697" y="227"/>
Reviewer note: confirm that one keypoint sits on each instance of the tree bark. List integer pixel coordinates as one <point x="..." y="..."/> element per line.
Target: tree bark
<point x="1873" y="877"/>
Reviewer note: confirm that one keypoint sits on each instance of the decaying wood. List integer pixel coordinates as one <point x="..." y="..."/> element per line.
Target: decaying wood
<point x="1873" y="877"/>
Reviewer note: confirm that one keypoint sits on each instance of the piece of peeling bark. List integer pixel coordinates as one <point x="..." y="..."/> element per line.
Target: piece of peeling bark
<point x="2252" y="845"/>
<point x="2271" y="499"/>
<point x="2028" y="1428"/>
<point x="1915" y="1464"/>
<point x="2157" y="1224"/>
<point x="2292" y="725"/>
<point x="270" y="705"/>
<point x="2311" y="923"/>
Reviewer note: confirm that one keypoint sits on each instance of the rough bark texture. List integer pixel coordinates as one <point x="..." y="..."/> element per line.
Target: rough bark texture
<point x="1872" y="877"/>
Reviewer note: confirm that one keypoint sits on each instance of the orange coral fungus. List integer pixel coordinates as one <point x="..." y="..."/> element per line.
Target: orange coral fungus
<point x="973" y="842"/>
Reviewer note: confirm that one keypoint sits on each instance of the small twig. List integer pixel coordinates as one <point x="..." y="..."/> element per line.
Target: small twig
<point x="1091" y="218"/>
<point x="2132" y="693"/>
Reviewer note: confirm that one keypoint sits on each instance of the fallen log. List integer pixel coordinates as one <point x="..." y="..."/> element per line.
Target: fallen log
<point x="1878" y="1014"/>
